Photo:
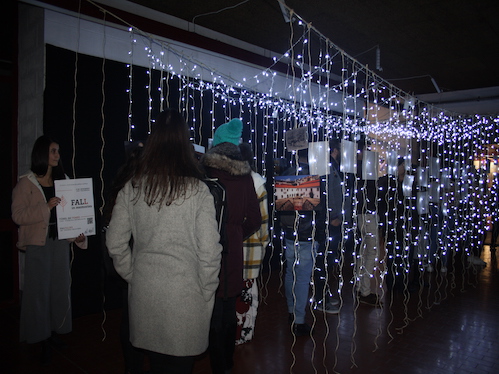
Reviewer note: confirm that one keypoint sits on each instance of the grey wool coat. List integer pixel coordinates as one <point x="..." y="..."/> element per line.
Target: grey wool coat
<point x="172" y="271"/>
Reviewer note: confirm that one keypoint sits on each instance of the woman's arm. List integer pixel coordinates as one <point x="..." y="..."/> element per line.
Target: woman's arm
<point x="28" y="204"/>
<point x="118" y="236"/>
<point x="209" y="250"/>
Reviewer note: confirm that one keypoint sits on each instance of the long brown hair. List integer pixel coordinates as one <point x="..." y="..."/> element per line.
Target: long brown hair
<point x="167" y="167"/>
<point x="124" y="174"/>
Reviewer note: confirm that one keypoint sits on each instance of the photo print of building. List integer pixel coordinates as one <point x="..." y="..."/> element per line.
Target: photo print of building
<point x="297" y="192"/>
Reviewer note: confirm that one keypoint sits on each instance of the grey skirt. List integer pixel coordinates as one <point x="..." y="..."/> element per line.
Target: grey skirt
<point x="46" y="297"/>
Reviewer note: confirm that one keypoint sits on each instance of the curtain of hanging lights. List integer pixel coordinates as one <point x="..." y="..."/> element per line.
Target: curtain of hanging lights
<point x="439" y="148"/>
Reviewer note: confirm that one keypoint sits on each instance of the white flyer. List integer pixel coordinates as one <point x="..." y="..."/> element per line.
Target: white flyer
<point x="75" y="213"/>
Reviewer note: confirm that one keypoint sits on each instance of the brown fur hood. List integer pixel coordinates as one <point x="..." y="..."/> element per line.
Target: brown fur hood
<point x="227" y="157"/>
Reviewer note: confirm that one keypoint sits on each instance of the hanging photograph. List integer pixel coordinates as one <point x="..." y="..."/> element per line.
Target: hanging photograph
<point x="297" y="139"/>
<point x="318" y="158"/>
<point x="370" y="165"/>
<point x="392" y="162"/>
<point x="434" y="192"/>
<point x="422" y="203"/>
<point x="422" y="176"/>
<point x="434" y="167"/>
<point x="407" y="185"/>
<point x="297" y="192"/>
<point x="348" y="157"/>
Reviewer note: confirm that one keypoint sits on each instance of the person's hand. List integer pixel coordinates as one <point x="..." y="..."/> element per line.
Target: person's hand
<point x="80" y="238"/>
<point x="53" y="202"/>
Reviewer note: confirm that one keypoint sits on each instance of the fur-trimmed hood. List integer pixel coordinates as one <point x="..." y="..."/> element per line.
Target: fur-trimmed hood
<point x="226" y="157"/>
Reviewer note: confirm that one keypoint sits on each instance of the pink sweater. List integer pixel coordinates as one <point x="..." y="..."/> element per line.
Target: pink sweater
<point x="31" y="213"/>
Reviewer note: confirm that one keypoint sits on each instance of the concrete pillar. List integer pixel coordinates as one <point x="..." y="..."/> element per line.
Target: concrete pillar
<point x="31" y="81"/>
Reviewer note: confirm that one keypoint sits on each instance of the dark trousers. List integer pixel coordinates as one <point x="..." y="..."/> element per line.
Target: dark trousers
<point x="223" y="335"/>
<point x="324" y="262"/>
<point x="166" y="364"/>
<point x="134" y="357"/>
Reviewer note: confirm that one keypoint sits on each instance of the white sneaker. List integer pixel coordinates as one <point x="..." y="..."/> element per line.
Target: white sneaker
<point x="330" y="307"/>
<point x="334" y="302"/>
<point x="476" y="261"/>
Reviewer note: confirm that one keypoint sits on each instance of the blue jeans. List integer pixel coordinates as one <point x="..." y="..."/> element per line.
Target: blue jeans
<point x="325" y="260"/>
<point x="299" y="265"/>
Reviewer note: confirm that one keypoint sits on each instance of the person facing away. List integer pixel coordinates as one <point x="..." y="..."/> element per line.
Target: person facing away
<point x="224" y="161"/>
<point x="253" y="252"/>
<point x="302" y="237"/>
<point x="172" y="272"/>
<point x="46" y="297"/>
<point x="133" y="357"/>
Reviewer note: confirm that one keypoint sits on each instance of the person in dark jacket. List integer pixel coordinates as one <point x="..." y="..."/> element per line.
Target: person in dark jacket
<point x="303" y="236"/>
<point x="225" y="162"/>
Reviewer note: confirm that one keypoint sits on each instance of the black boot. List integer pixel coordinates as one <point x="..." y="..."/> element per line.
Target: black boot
<point x="57" y="342"/>
<point x="46" y="352"/>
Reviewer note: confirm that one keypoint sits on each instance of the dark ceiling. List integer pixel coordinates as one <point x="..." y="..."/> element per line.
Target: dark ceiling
<point x="455" y="42"/>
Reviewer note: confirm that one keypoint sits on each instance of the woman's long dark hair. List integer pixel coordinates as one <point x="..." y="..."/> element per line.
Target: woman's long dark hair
<point x="124" y="174"/>
<point x="40" y="158"/>
<point x="167" y="166"/>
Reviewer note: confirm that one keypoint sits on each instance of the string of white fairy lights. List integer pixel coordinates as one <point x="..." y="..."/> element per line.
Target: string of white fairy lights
<point x="299" y="106"/>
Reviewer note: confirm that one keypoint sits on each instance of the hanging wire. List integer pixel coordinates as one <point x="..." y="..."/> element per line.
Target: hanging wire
<point x="130" y="85"/>
<point x="103" y="144"/>
<point x="75" y="92"/>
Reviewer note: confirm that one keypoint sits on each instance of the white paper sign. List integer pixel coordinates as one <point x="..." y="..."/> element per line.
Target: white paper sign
<point x="75" y="213"/>
<point x="370" y="165"/>
<point x="318" y="158"/>
<point x="348" y="157"/>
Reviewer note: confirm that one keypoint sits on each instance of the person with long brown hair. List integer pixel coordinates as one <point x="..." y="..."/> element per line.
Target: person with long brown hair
<point x="133" y="357"/>
<point x="46" y="297"/>
<point x="173" y="269"/>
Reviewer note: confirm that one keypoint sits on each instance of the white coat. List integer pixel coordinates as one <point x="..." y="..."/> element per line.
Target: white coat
<point x="172" y="270"/>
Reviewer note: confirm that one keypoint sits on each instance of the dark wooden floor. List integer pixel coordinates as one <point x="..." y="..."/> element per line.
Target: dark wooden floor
<point x="449" y="326"/>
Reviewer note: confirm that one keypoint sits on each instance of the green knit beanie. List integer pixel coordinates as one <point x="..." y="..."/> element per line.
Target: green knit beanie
<point x="228" y="132"/>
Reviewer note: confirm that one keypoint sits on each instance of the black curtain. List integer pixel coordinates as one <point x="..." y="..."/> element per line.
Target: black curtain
<point x="98" y="120"/>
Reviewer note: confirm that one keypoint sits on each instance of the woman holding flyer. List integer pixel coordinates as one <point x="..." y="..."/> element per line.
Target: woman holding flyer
<point x="46" y="297"/>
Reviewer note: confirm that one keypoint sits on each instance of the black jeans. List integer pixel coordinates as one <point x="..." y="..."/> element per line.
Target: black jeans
<point x="223" y="335"/>
<point x="166" y="364"/>
<point x="134" y="357"/>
